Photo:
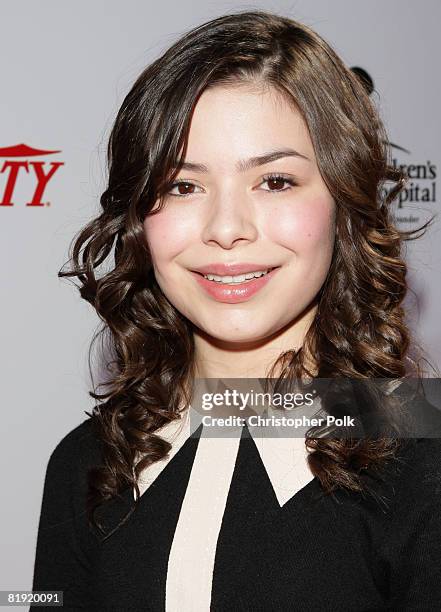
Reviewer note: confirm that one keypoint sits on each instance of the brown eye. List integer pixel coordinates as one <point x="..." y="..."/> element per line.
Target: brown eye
<point x="183" y="188"/>
<point x="275" y="184"/>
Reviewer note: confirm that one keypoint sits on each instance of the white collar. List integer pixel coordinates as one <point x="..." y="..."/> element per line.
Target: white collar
<point x="285" y="459"/>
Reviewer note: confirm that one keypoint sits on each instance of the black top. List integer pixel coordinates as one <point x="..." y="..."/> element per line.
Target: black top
<point x="342" y="552"/>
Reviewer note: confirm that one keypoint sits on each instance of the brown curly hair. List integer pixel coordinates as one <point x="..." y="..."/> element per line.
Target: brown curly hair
<point x="359" y="329"/>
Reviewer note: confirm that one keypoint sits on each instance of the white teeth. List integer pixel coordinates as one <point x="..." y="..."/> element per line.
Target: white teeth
<point x="240" y="278"/>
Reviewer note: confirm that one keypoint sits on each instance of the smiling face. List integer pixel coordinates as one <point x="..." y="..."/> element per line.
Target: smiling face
<point x="250" y="192"/>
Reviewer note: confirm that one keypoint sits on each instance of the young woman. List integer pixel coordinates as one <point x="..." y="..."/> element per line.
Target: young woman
<point x="249" y="238"/>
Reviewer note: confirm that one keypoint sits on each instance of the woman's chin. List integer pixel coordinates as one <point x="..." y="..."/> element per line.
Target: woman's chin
<point x="229" y="337"/>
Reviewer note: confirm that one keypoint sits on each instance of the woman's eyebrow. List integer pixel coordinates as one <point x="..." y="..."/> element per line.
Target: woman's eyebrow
<point x="266" y="158"/>
<point x="246" y="164"/>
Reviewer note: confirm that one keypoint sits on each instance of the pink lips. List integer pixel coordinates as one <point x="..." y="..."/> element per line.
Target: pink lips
<point x="233" y="293"/>
<point x="230" y="269"/>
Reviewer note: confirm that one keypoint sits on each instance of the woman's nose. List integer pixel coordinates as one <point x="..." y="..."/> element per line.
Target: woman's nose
<point x="231" y="218"/>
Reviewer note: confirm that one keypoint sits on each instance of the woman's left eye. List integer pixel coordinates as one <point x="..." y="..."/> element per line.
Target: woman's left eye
<point x="277" y="183"/>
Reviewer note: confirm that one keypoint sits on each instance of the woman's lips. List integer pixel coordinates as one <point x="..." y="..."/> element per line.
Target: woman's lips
<point x="232" y="293"/>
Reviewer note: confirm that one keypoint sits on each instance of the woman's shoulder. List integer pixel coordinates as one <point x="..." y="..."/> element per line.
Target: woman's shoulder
<point x="78" y="447"/>
<point x="418" y="461"/>
<point x="65" y="481"/>
<point x="419" y="464"/>
<point x="409" y="487"/>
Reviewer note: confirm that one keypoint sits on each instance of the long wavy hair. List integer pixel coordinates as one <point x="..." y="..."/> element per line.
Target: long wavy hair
<point x="359" y="329"/>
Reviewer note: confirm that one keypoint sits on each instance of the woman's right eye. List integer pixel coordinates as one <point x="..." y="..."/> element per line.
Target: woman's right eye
<point x="183" y="188"/>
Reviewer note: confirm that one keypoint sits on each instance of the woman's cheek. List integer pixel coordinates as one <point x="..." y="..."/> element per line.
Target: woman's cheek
<point x="304" y="224"/>
<point x="167" y="235"/>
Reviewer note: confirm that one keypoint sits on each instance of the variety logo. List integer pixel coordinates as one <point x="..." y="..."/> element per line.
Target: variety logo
<point x="13" y="169"/>
<point x="421" y="186"/>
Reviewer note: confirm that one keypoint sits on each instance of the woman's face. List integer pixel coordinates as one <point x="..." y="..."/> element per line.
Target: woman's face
<point x="250" y="195"/>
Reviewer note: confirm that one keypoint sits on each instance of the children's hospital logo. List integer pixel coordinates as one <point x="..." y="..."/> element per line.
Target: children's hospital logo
<point x="421" y="185"/>
<point x="14" y="170"/>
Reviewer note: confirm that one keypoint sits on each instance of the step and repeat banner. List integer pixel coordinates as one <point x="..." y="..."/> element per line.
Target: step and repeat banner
<point x="65" y="69"/>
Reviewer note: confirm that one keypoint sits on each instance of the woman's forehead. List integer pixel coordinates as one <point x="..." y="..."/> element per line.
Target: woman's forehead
<point x="242" y="122"/>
